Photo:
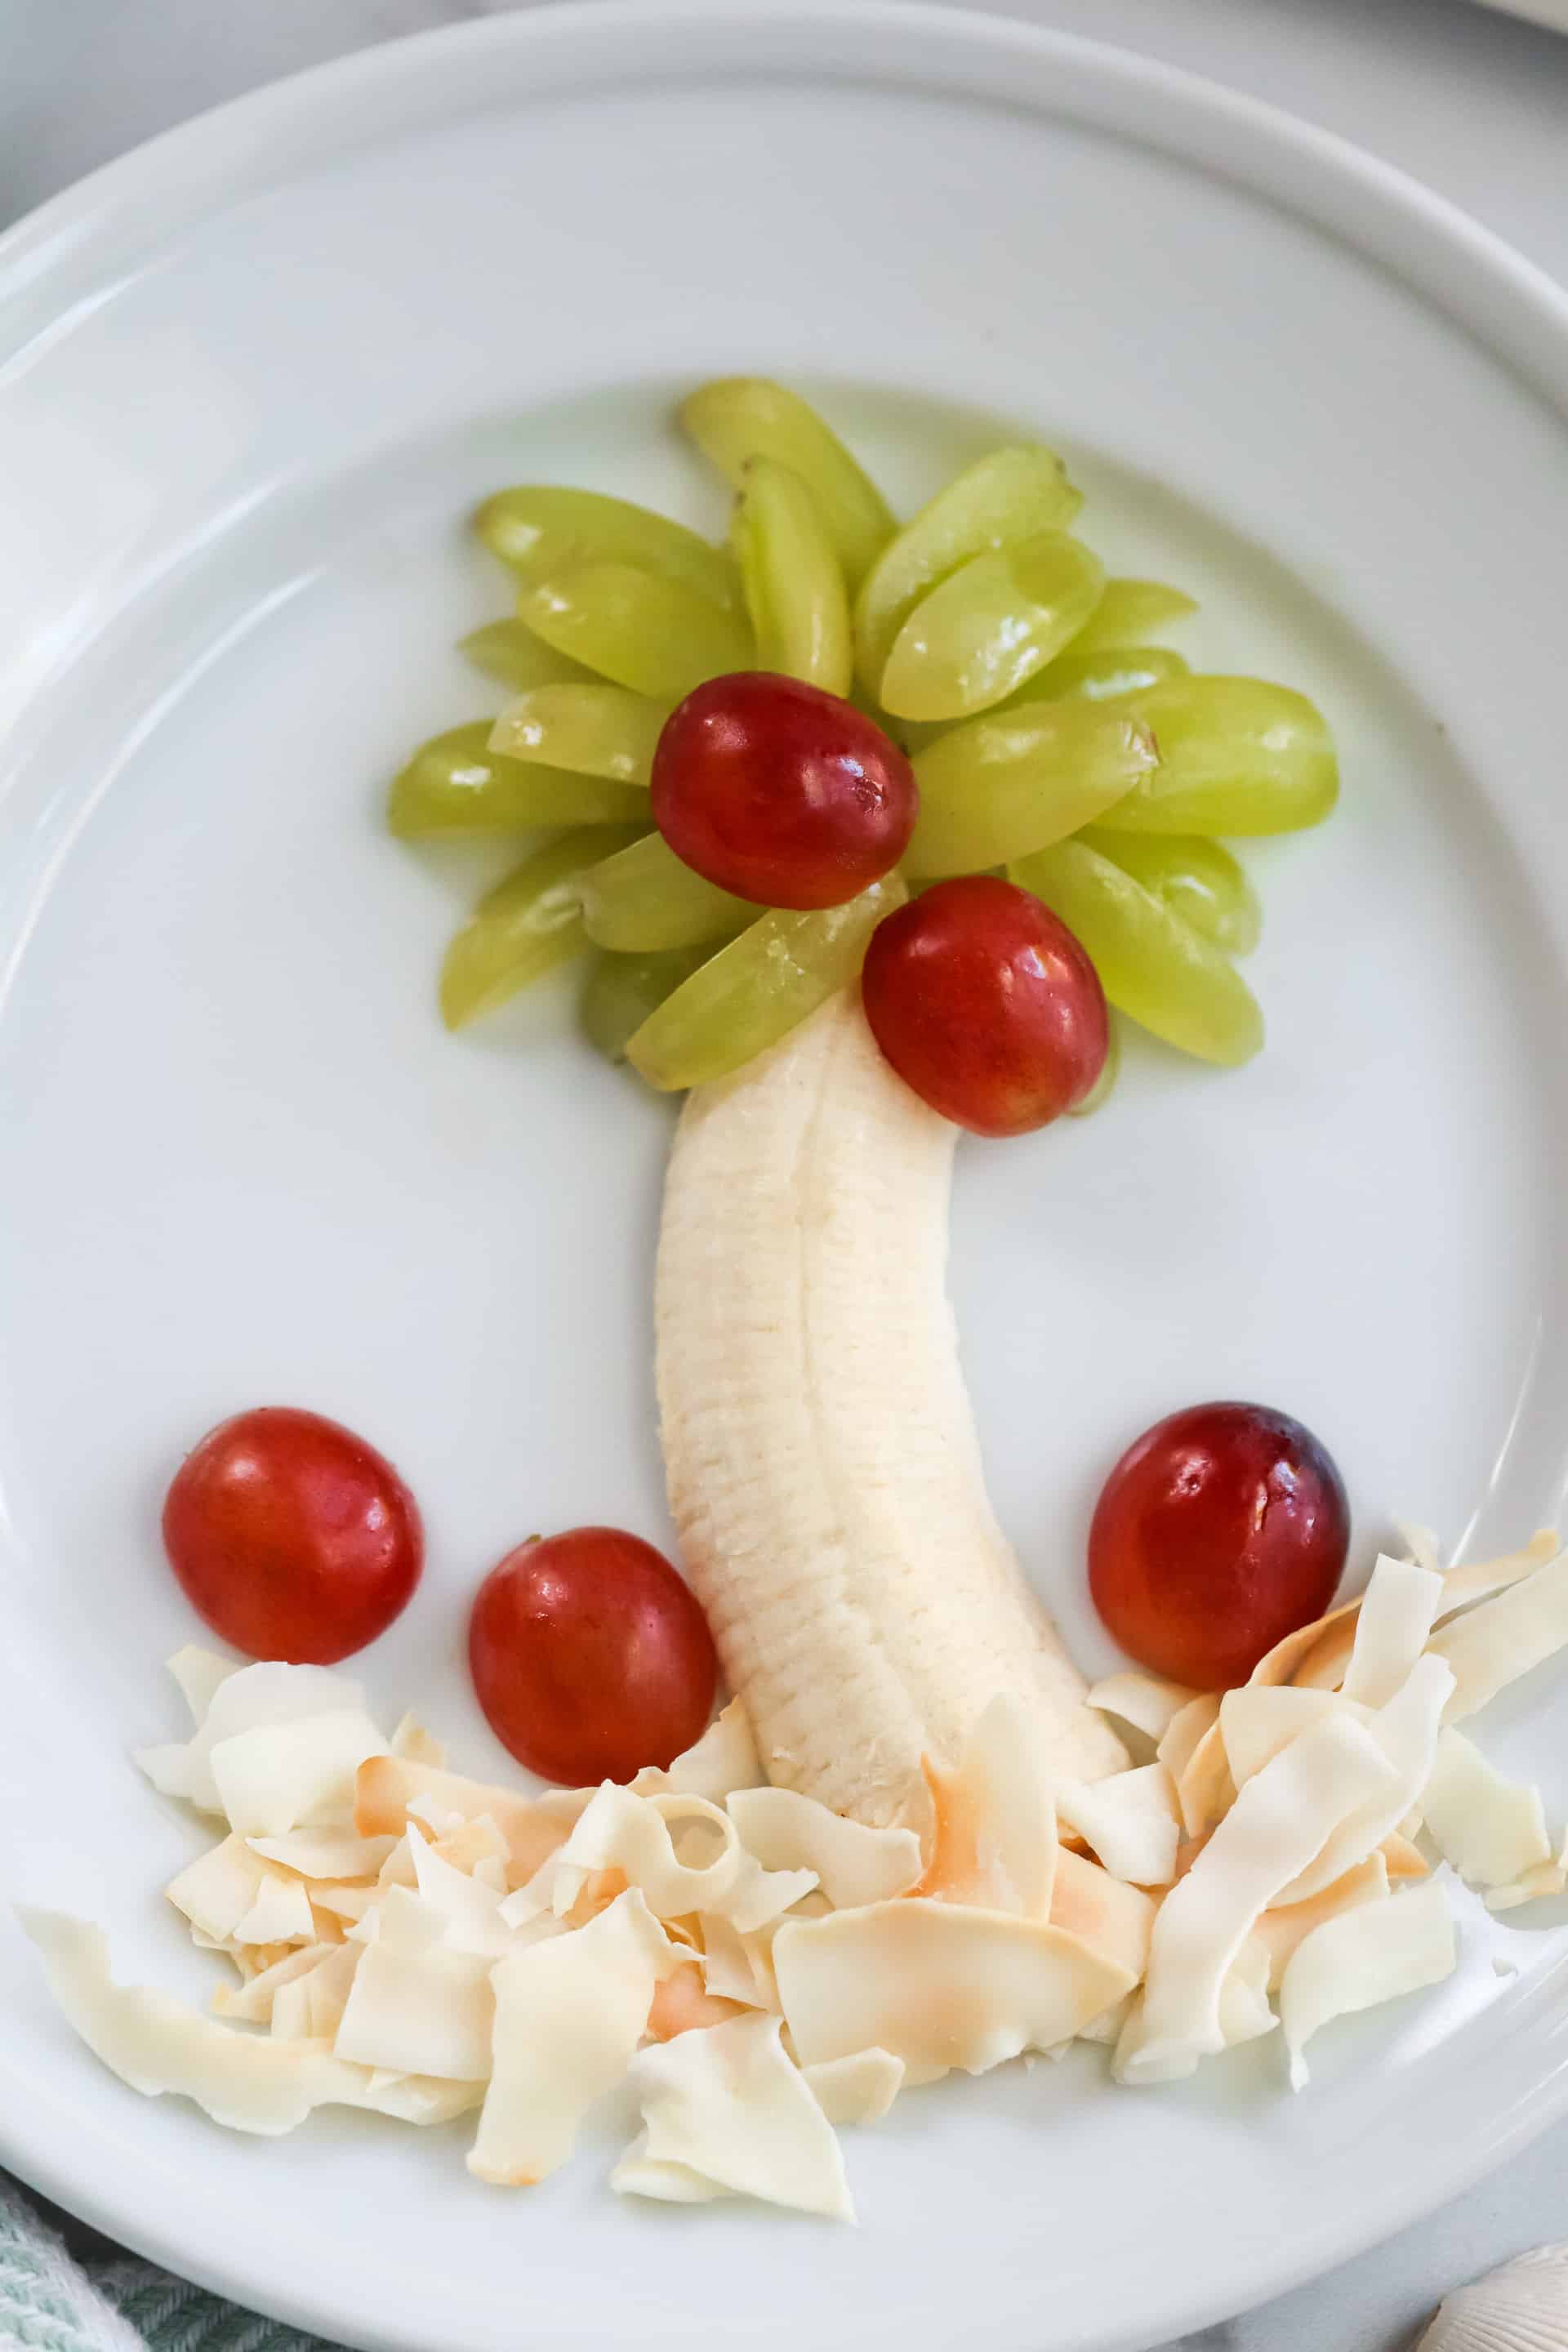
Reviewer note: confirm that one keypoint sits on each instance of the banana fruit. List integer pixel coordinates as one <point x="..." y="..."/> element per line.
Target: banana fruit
<point x="824" y="1475"/>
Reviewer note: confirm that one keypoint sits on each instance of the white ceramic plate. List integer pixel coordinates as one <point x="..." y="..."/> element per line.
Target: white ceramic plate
<point x="256" y="376"/>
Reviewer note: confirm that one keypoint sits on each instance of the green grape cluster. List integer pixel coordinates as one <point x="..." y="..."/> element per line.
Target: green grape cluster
<point x="1053" y="737"/>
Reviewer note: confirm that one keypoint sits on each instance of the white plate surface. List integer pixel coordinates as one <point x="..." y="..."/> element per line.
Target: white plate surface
<point x="253" y="378"/>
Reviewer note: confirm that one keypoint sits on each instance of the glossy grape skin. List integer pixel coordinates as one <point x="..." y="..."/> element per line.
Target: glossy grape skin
<point x="645" y="900"/>
<point x="1197" y="879"/>
<point x="456" y="784"/>
<point x="291" y="1538"/>
<point x="1221" y="1530"/>
<point x="1237" y="755"/>
<point x="755" y="991"/>
<point x="1104" y="1086"/>
<point x="999" y="787"/>
<point x="1154" y="966"/>
<point x="793" y="579"/>
<point x="1132" y="610"/>
<point x="527" y="925"/>
<point x="734" y="419"/>
<point x="589" y="730"/>
<point x="621" y="991"/>
<point x="986" y="1005"/>
<point x="990" y="625"/>
<point x="1100" y="673"/>
<point x="657" y="637"/>
<point x="590" y="1657"/>
<point x="781" y="793"/>
<point x="541" y="529"/>
<point x="509" y="652"/>
<point x="1007" y="496"/>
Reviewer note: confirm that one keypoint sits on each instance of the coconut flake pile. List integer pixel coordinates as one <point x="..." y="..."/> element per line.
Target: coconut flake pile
<point x="765" y="1972"/>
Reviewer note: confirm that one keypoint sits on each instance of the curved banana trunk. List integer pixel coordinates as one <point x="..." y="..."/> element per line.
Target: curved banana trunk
<point x="824" y="1471"/>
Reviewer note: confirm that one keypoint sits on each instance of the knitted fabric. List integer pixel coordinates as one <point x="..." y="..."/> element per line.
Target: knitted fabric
<point x="89" y="2297"/>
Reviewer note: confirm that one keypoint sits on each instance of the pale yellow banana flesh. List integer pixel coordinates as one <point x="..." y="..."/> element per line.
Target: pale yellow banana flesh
<point x="824" y="1471"/>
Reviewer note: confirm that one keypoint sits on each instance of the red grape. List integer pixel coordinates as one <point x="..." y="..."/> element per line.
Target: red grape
<point x="590" y="1656"/>
<point x="986" y="1005"/>
<point x="781" y="793"/>
<point x="1219" y="1532"/>
<point x="291" y="1537"/>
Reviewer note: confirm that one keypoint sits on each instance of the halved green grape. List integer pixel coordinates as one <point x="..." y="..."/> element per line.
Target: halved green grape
<point x="993" y="623"/>
<point x="1001" y="787"/>
<point x="621" y="991"/>
<point x="793" y="579"/>
<point x="1101" y="674"/>
<point x="456" y="784"/>
<point x="594" y="731"/>
<point x="737" y="417"/>
<point x="654" y="635"/>
<point x="1152" y="965"/>
<point x="510" y="651"/>
<point x="1106" y="1083"/>
<point x="757" y="989"/>
<point x="524" y="926"/>
<point x="540" y="530"/>
<point x="644" y="899"/>
<point x="1132" y="610"/>
<point x="1197" y="879"/>
<point x="1236" y="756"/>
<point x="1006" y="496"/>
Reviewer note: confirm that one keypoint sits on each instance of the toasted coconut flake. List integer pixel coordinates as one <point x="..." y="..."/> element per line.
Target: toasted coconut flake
<point x="1421" y="1546"/>
<point x="1110" y="2024"/>
<point x="1280" y="1820"/>
<point x="1401" y="1859"/>
<point x="937" y="1984"/>
<point x="1398" y="1610"/>
<point x="254" y="1698"/>
<point x="569" y="2014"/>
<point x="1281" y="1929"/>
<point x="290" y="2018"/>
<point x="726" y="2115"/>
<point x="1406" y="1732"/>
<point x="327" y="1988"/>
<point x="1492" y="1829"/>
<point x="1113" y="1919"/>
<point x="1315" y="1655"/>
<point x="158" y="2045"/>
<point x="1183" y="1734"/>
<point x="1259" y="1720"/>
<point x="533" y="1828"/>
<point x="725" y="1759"/>
<point x="251" y="2004"/>
<point x="1131" y="1820"/>
<point x="1204" y="1789"/>
<point x="621" y="1830"/>
<point x="471" y="1909"/>
<point x="281" y="1776"/>
<point x="216" y="1890"/>
<point x="853" y="1864"/>
<point x="280" y="1914"/>
<point x="994" y="1824"/>
<point x="336" y="1855"/>
<point x="1245" y="2014"/>
<point x="415" y="1745"/>
<point x="857" y="2090"/>
<point x="735" y="1967"/>
<point x="415" y="2007"/>
<point x="471" y="1845"/>
<point x="197" y="1672"/>
<point x="683" y="2003"/>
<point x="1547" y="1879"/>
<point x="1504" y="1637"/>
<point x="1463" y="1587"/>
<point x="1368" y="1955"/>
<point x="1148" y="1702"/>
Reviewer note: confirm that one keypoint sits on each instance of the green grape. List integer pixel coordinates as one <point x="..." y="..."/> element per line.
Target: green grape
<point x="991" y="624"/>
<point x="510" y="651"/>
<point x="1152" y="965"/>
<point x="1105" y="1084"/>
<point x="594" y="731"/>
<point x="1196" y="878"/>
<point x="1236" y="756"/>
<point x="757" y="989"/>
<point x="524" y="926"/>
<point x="456" y="784"/>
<point x="1008" y="496"/>
<point x="539" y="532"/>
<point x="793" y="579"/>
<point x="738" y="418"/>
<point x="1001" y="787"/>
<point x="644" y="899"/>
<point x="1129" y="611"/>
<point x="1101" y="674"/>
<point x="621" y="991"/>
<point x="654" y="635"/>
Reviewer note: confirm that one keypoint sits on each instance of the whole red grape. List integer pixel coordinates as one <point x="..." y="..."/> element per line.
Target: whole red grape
<point x="1220" y="1531"/>
<point x="781" y="793"/>
<point x="984" y="1003"/>
<point x="590" y="1657"/>
<point x="291" y="1537"/>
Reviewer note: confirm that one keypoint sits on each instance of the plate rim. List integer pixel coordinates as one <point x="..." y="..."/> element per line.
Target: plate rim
<point x="77" y="248"/>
